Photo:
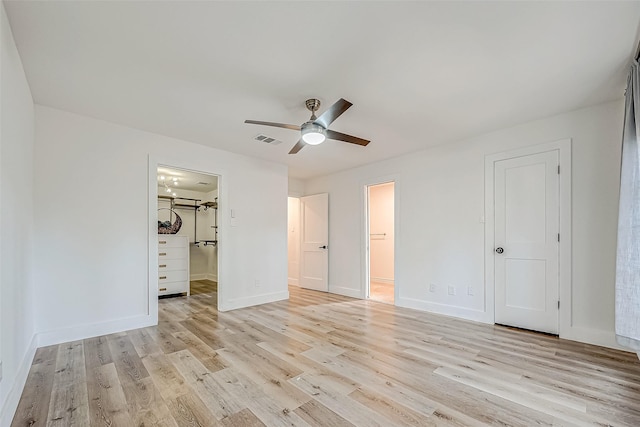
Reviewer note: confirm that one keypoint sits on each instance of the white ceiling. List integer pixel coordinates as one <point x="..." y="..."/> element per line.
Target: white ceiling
<point x="418" y="73"/>
<point x="186" y="180"/>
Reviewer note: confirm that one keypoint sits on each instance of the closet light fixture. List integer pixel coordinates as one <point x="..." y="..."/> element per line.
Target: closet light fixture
<point x="166" y="182"/>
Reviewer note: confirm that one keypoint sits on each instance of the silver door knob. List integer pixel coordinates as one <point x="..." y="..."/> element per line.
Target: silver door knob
<point x="499" y="250"/>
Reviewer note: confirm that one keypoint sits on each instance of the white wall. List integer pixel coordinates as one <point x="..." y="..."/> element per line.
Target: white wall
<point x="381" y="229"/>
<point x="93" y="248"/>
<point x="16" y="224"/>
<point x="441" y="201"/>
<point x="293" y="239"/>
<point x="296" y="187"/>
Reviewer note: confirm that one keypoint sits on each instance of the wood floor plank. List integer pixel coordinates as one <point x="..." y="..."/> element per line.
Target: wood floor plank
<point x="33" y="409"/>
<point x="319" y="359"/>
<point x="244" y="418"/>
<point x="189" y="411"/>
<point x="96" y="352"/>
<point x="400" y="415"/>
<point x="206" y="387"/>
<point x="47" y="354"/>
<point x="317" y="414"/>
<point x="69" y="405"/>
<point x="107" y="404"/>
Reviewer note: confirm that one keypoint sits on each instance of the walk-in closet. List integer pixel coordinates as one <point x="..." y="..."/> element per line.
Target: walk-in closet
<point x="187" y="233"/>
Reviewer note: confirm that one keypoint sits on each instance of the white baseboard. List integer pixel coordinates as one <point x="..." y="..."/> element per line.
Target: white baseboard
<point x="447" y="310"/>
<point x="212" y="277"/>
<point x="233" y="304"/>
<point x="347" y="292"/>
<point x="8" y="410"/>
<point x="593" y="336"/>
<point x="81" y="332"/>
<point x="293" y="281"/>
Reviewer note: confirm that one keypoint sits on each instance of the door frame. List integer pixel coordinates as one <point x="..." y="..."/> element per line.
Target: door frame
<point x="364" y="245"/>
<point x="564" y="250"/>
<point x="152" y="215"/>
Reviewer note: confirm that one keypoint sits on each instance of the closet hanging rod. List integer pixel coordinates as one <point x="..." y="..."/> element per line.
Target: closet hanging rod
<point x="177" y="198"/>
<point x="182" y="206"/>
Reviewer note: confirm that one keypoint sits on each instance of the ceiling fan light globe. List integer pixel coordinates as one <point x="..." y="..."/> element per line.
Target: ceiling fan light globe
<point x="313" y="138"/>
<point x="313" y="134"/>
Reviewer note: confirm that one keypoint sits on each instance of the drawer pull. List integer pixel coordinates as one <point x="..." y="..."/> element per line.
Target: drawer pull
<point x="162" y="242"/>
<point x="162" y="254"/>
<point x="163" y="265"/>
<point x="162" y="277"/>
<point x="163" y="289"/>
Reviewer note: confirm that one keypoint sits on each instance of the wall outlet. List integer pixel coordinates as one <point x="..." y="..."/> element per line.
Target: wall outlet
<point x="257" y="283"/>
<point x="470" y="291"/>
<point x="451" y="290"/>
<point x="432" y="287"/>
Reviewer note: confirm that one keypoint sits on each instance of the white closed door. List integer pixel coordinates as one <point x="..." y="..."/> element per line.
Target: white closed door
<point x="526" y="241"/>
<point x="314" y="239"/>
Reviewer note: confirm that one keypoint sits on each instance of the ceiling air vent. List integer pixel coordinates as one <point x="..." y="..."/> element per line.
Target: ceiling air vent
<point x="204" y="183"/>
<point x="267" y="139"/>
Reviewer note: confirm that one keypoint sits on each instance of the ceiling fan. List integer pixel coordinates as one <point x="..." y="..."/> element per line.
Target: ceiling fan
<point x="316" y="129"/>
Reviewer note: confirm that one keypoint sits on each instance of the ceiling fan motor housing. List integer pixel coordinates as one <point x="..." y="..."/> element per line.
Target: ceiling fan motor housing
<point x="312" y="104"/>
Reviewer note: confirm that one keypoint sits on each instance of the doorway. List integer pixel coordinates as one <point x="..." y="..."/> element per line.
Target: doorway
<point x="187" y="234"/>
<point x="381" y="242"/>
<point x="528" y="237"/>
<point x="293" y="240"/>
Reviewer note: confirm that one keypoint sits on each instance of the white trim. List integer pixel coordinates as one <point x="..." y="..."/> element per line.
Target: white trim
<point x="212" y="277"/>
<point x="80" y="332"/>
<point x="364" y="245"/>
<point x="595" y="337"/>
<point x="445" y="309"/>
<point x="233" y="304"/>
<point x="8" y="410"/>
<point x="293" y="281"/>
<point x="152" y="215"/>
<point x="347" y="292"/>
<point x="564" y="254"/>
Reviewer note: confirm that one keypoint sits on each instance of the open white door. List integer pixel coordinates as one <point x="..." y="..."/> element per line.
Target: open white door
<point x="314" y="255"/>
<point x="526" y="241"/>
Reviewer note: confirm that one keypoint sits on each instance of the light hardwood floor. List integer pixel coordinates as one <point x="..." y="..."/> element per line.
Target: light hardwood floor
<point x="325" y="360"/>
<point x="381" y="292"/>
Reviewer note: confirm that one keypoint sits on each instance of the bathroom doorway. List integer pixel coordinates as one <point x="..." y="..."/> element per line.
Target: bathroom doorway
<point x="381" y="242"/>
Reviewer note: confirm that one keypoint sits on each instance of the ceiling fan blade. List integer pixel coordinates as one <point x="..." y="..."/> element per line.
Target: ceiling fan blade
<point x="332" y="134"/>
<point x="299" y="146"/>
<point x="276" y="125"/>
<point x="333" y="113"/>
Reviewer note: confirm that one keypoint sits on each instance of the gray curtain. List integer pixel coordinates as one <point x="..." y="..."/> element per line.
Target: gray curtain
<point x="628" y="256"/>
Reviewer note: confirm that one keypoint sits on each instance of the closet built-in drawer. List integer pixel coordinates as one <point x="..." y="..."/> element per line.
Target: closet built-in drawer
<point x="166" y="253"/>
<point x="171" y="242"/>
<point x="167" y="264"/>
<point x="172" y="276"/>
<point x="173" y="288"/>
